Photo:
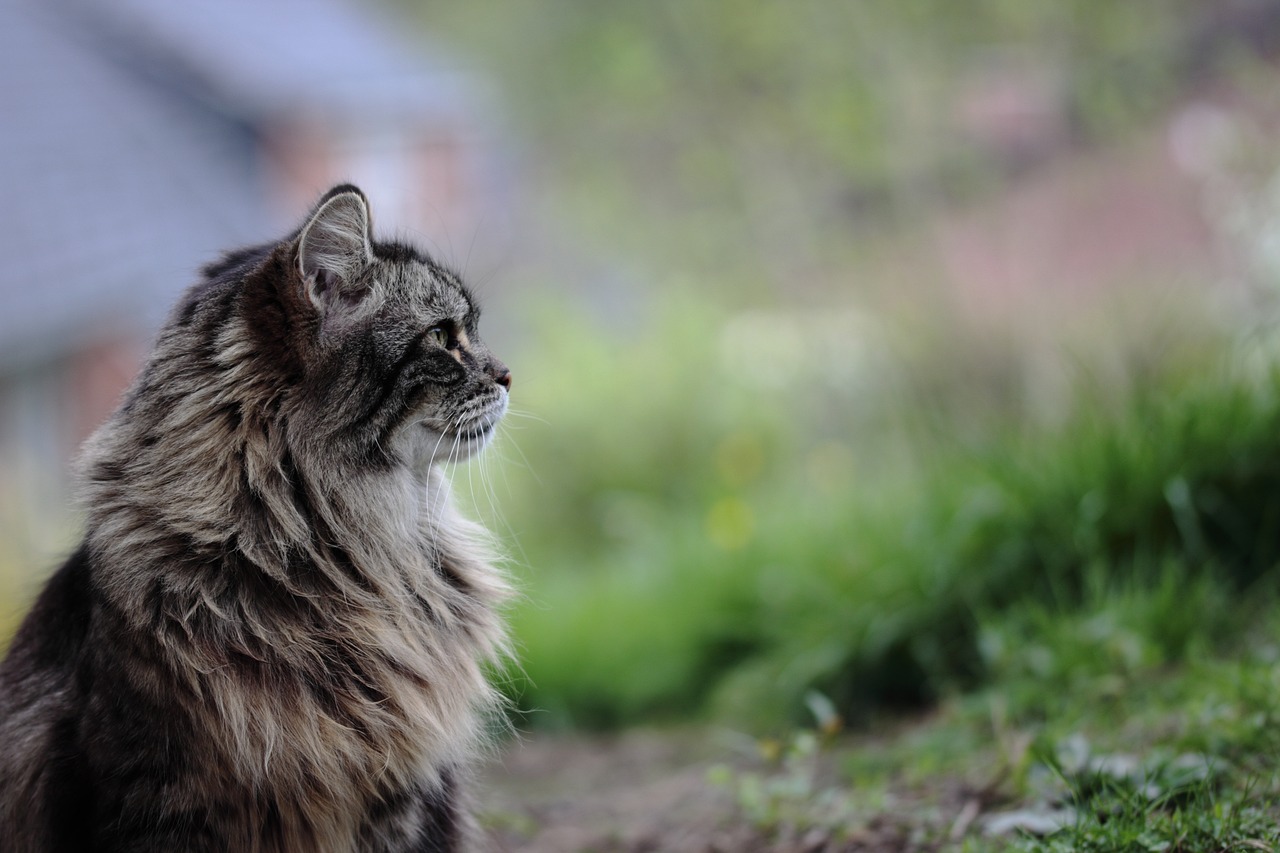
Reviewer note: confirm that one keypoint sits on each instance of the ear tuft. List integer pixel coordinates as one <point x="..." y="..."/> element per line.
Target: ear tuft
<point x="334" y="247"/>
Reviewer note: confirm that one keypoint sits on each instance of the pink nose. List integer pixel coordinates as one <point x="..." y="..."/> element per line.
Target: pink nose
<point x="504" y="379"/>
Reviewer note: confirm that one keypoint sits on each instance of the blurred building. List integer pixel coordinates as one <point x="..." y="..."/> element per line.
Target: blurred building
<point x="142" y="137"/>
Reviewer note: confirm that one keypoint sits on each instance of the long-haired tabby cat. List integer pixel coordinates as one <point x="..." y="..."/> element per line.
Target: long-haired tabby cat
<point x="273" y="635"/>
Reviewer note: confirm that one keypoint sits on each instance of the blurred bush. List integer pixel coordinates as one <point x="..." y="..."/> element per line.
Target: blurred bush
<point x="698" y="535"/>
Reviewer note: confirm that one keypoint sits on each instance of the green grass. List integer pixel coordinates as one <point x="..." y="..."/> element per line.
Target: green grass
<point x="1083" y="741"/>
<point x="1146" y="754"/>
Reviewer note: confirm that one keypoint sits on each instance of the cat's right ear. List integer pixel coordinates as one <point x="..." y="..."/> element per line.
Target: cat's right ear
<point x="334" y="248"/>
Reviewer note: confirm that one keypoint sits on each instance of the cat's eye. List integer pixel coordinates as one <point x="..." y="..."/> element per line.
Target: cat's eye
<point x="439" y="335"/>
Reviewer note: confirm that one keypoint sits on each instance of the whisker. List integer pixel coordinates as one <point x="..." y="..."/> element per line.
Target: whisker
<point x="525" y="463"/>
<point x="516" y="413"/>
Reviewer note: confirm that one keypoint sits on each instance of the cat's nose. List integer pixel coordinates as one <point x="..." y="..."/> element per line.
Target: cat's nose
<point x="497" y="371"/>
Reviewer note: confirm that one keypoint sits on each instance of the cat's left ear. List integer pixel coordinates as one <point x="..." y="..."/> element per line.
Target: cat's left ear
<point x="335" y="247"/>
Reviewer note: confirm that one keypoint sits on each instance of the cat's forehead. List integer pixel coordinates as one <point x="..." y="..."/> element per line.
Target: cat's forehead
<point x="426" y="288"/>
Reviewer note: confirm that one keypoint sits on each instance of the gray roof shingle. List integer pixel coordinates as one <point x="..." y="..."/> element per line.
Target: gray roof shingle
<point x="313" y="56"/>
<point x="110" y="196"/>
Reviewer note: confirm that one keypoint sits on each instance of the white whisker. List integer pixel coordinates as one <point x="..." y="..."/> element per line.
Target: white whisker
<point x="516" y="413"/>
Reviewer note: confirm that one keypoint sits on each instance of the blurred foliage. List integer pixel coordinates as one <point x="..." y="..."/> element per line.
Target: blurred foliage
<point x="719" y="509"/>
<point x="696" y="537"/>
<point x="757" y="141"/>
<point x="13" y="597"/>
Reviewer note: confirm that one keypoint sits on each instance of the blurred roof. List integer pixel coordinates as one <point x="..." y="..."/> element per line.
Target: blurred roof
<point x="127" y="146"/>
<point x="259" y="56"/>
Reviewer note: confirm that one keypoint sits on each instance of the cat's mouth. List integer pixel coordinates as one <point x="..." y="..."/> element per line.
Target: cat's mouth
<point x="477" y="429"/>
<point x="458" y="436"/>
<point x="476" y="432"/>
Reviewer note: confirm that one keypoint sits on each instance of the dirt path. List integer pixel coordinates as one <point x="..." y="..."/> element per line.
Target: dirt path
<point x="639" y="791"/>
<point x="645" y="791"/>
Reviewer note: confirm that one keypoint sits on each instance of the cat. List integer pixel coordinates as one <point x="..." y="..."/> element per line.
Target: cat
<point x="275" y="632"/>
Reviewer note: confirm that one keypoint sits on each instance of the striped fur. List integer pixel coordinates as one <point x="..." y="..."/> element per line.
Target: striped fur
<point x="273" y="635"/>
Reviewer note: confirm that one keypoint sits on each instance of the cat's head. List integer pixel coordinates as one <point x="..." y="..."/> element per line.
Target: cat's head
<point x="376" y="342"/>
<point x="395" y="351"/>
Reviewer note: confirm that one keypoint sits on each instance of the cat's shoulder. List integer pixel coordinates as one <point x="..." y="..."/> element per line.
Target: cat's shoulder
<point x="54" y="631"/>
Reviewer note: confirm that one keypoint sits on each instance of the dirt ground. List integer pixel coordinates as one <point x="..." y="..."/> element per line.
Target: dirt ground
<point x="651" y="791"/>
<point x="641" y="791"/>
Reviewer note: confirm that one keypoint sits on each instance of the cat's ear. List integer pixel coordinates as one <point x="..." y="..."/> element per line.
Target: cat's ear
<point x="334" y="248"/>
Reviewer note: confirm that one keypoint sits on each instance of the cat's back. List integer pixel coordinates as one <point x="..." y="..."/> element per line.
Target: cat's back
<point x="40" y="768"/>
<point x="43" y="654"/>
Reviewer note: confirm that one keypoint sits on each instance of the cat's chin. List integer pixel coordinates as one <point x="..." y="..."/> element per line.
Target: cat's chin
<point x="434" y="446"/>
<point x="431" y="447"/>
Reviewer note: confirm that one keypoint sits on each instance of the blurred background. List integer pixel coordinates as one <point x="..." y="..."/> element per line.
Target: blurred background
<point x="865" y="353"/>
